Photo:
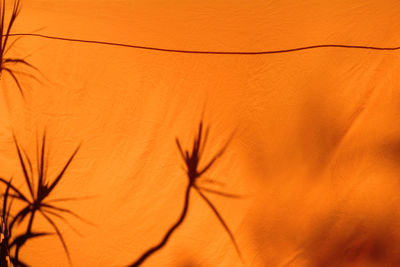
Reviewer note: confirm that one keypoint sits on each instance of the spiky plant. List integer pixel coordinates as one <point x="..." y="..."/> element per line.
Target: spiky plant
<point x="37" y="202"/>
<point x="5" y="233"/>
<point x="194" y="172"/>
<point x="6" y="62"/>
<point x="7" y="240"/>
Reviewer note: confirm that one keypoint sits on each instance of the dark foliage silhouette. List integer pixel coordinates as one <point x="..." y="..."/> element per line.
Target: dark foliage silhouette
<point x="36" y="202"/>
<point x="193" y="173"/>
<point x="5" y="234"/>
<point x="6" y="63"/>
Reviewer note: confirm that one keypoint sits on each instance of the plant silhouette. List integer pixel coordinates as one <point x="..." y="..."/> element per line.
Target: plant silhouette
<point x="6" y="63"/>
<point x="5" y="234"/>
<point x="37" y="201"/>
<point x="194" y="172"/>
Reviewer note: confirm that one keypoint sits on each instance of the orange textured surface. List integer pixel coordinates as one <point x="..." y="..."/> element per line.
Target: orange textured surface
<point x="316" y="149"/>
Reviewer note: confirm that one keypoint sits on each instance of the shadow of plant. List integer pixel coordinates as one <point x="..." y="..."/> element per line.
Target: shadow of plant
<point x="6" y="63"/>
<point x="194" y="172"/>
<point x="5" y="233"/>
<point x="36" y="202"/>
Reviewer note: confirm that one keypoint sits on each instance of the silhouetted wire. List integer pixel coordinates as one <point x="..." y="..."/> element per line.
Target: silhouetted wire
<point x="209" y="52"/>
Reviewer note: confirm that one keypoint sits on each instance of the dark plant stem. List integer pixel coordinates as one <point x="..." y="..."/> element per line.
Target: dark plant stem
<point x="28" y="231"/>
<point x="164" y="241"/>
<point x="17" y="253"/>
<point x="4" y="251"/>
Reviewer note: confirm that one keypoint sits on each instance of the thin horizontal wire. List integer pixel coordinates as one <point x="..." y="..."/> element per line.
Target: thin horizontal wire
<point x="209" y="52"/>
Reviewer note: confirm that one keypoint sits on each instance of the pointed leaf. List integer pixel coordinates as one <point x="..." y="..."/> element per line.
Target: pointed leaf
<point x="21" y="239"/>
<point x="60" y="175"/>
<point x="223" y="194"/>
<point x="221" y="220"/>
<point x="60" y="236"/>
<point x="24" y="169"/>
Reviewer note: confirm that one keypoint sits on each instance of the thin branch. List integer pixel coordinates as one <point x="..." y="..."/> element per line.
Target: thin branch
<point x="164" y="241"/>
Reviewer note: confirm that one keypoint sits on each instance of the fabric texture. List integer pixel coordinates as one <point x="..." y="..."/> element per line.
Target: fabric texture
<point x="316" y="137"/>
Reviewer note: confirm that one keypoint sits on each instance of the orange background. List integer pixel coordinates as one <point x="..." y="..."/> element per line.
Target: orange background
<point x="317" y="143"/>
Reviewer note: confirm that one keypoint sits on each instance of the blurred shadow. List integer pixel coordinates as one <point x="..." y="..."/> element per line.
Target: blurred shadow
<point x="354" y="243"/>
